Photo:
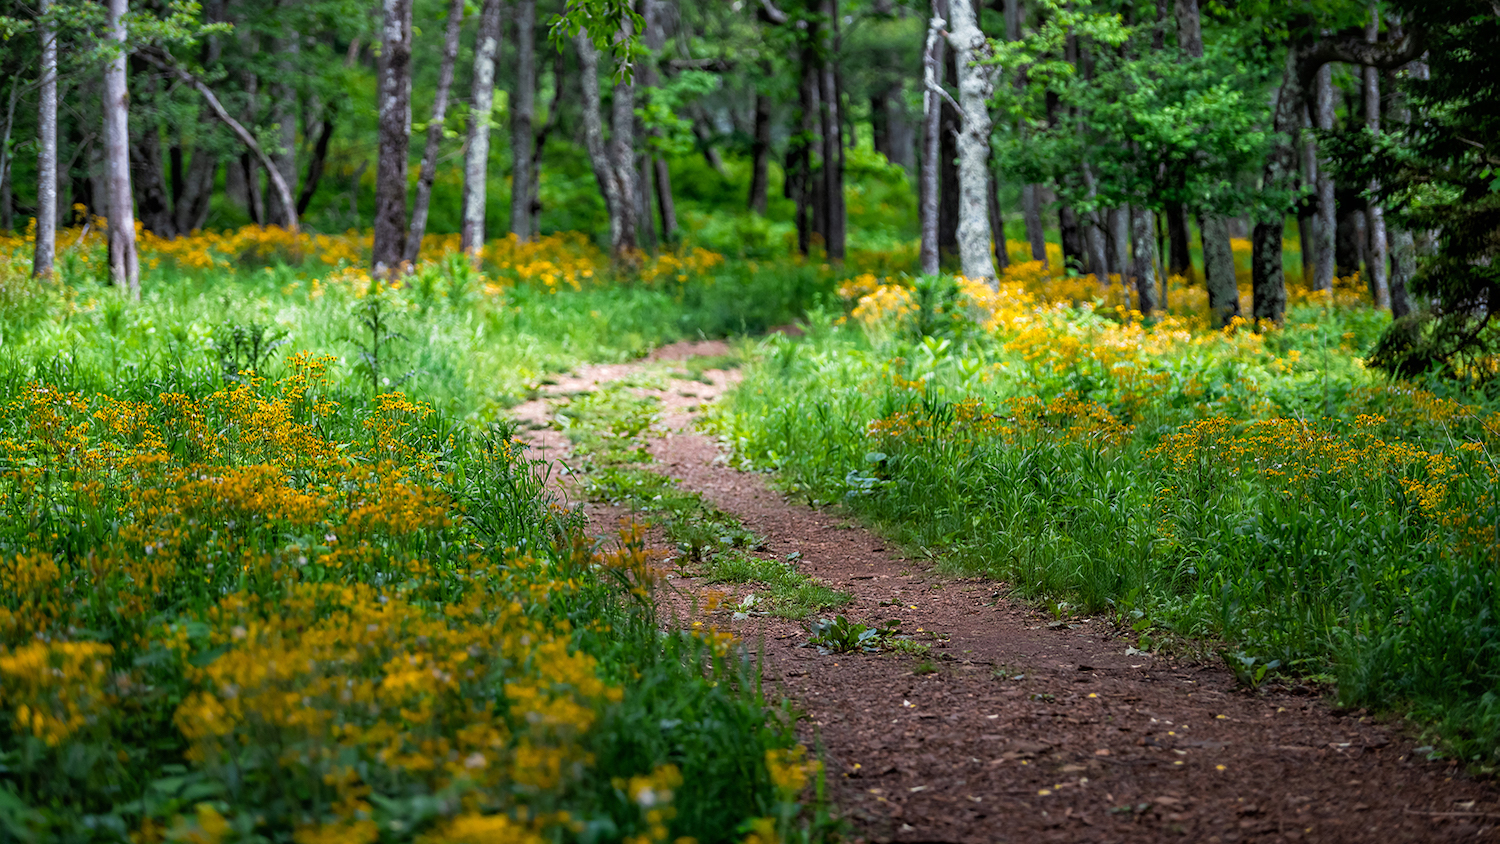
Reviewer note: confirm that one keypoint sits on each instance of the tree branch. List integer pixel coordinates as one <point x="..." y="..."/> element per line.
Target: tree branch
<point x="283" y="191"/>
<point x="772" y="14"/>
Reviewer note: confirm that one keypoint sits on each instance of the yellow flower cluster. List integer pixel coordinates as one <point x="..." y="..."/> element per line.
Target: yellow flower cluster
<point x="285" y="578"/>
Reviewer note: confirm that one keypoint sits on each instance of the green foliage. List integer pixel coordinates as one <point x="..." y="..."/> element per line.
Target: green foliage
<point x="839" y="635"/>
<point x="1290" y="527"/>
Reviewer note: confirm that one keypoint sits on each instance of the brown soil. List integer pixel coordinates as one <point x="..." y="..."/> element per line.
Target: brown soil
<point x="1018" y="727"/>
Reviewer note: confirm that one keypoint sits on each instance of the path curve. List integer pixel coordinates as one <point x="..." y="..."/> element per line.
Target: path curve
<point x="1015" y="727"/>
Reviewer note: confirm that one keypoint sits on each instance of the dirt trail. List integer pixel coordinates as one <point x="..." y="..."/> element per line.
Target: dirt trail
<point x="1018" y="728"/>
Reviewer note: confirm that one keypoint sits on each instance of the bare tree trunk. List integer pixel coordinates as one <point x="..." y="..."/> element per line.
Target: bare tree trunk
<point x="834" y="215"/>
<point x="760" y="153"/>
<point x="997" y="220"/>
<point x="534" y="192"/>
<point x="477" y="151"/>
<point x="428" y="170"/>
<point x="1179" y="258"/>
<point x="1142" y="225"/>
<point x="804" y="190"/>
<point x="1218" y="270"/>
<point x="1325" y="228"/>
<point x="318" y="161"/>
<point x="1378" y="247"/>
<point x="612" y="162"/>
<point x="975" y="85"/>
<point x="1094" y="237"/>
<point x="1307" y="208"/>
<point x="154" y="209"/>
<point x="124" y="265"/>
<point x="46" y="190"/>
<point x="625" y="227"/>
<point x="1403" y="245"/>
<point x="7" y="199"/>
<point x="522" y="120"/>
<point x="1117" y="236"/>
<point x="932" y="79"/>
<point x="395" y="136"/>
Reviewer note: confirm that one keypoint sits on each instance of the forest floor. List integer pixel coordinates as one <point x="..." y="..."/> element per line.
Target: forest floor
<point x="1001" y="723"/>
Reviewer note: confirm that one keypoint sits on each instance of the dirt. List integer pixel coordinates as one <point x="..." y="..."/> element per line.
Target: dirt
<point x="1019" y="727"/>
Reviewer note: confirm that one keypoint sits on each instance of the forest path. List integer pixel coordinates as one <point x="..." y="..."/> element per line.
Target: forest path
<point x="1016" y="727"/>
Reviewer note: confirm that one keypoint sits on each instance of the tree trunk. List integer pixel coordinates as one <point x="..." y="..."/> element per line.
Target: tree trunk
<point x="1117" y="237"/>
<point x="522" y="123"/>
<point x="319" y="160"/>
<point x="428" y="170"/>
<point x="124" y="267"/>
<point x="834" y="213"/>
<point x="1325" y="228"/>
<point x="656" y="177"/>
<point x="625" y="225"/>
<point x="148" y="182"/>
<point x="760" y="154"/>
<point x="1378" y="247"/>
<point x="1307" y="207"/>
<point x="1094" y="238"/>
<point x="613" y="163"/>
<point x="1218" y="270"/>
<point x="477" y="150"/>
<point x="1268" y="280"/>
<point x="1031" y="196"/>
<point x="7" y="199"/>
<point x="1143" y="235"/>
<point x="1180" y="258"/>
<point x="533" y="193"/>
<point x="1403" y="245"/>
<point x="975" y="85"/>
<point x="284" y="112"/>
<point x="948" y="181"/>
<point x="932" y="79"/>
<point x="46" y="189"/>
<point x="395" y="136"/>
<point x="997" y="220"/>
<point x="803" y="187"/>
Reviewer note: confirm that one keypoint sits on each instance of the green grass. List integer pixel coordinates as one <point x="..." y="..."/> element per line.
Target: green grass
<point x="1311" y="544"/>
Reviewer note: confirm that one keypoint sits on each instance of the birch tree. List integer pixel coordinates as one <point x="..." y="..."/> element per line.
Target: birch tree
<point x="477" y="150"/>
<point x="124" y="267"/>
<point x="395" y="136"/>
<point x="932" y="69"/>
<point x="1379" y="280"/>
<point x="428" y="170"/>
<point x="616" y="182"/>
<point x="975" y="85"/>
<point x="46" y="190"/>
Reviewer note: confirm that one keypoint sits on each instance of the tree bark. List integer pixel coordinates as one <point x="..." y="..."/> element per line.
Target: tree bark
<point x="1307" y="207"/>
<point x="1325" y="226"/>
<point x="46" y="191"/>
<point x="625" y="223"/>
<point x="932" y="79"/>
<point x="477" y="150"/>
<point x="760" y="154"/>
<point x="997" y="220"/>
<point x="395" y="136"/>
<point x="7" y="198"/>
<point x="124" y="264"/>
<point x="1179" y="259"/>
<point x="948" y="182"/>
<point x="616" y="182"/>
<point x="522" y="122"/>
<point x="1117" y="236"/>
<point x="1378" y="247"/>
<point x="1218" y="270"/>
<point x="802" y="185"/>
<point x="975" y="85"/>
<point x="148" y="181"/>
<point x="1143" y="235"/>
<point x="428" y="171"/>
<point x="834" y="212"/>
